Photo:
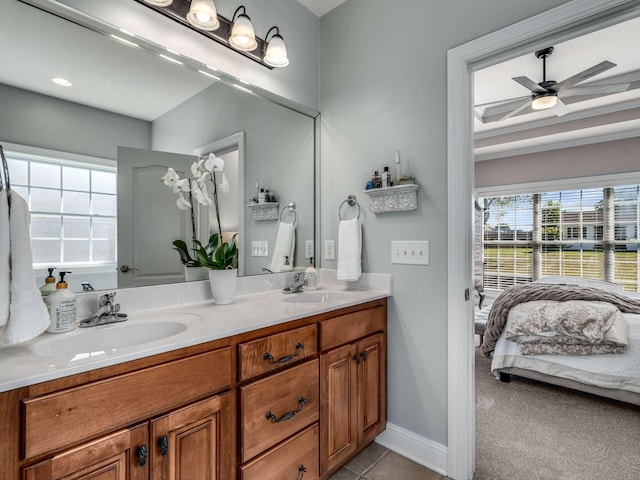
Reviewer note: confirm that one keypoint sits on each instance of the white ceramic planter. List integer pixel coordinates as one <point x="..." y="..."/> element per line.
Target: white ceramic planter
<point x="223" y="285"/>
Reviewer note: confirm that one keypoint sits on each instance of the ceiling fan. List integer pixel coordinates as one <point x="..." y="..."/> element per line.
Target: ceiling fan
<point x="549" y="93"/>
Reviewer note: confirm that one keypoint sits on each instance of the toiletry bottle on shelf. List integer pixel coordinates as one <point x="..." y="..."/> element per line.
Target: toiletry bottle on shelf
<point x="261" y="196"/>
<point x="386" y="178"/>
<point x="49" y="284"/>
<point x="398" y="169"/>
<point x="376" y="179"/>
<point x="311" y="276"/>
<point x="63" y="306"/>
<point x="287" y="266"/>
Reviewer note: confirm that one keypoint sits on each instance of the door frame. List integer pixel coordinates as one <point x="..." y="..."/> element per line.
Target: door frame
<point x="235" y="141"/>
<point x="575" y="18"/>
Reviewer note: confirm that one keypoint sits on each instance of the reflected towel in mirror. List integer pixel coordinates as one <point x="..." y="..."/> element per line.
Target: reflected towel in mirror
<point x="28" y="315"/>
<point x="349" y="250"/>
<point x="284" y="247"/>
<point x="5" y="276"/>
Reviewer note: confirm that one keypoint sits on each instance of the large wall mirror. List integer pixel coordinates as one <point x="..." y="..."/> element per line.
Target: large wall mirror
<point x="130" y="109"/>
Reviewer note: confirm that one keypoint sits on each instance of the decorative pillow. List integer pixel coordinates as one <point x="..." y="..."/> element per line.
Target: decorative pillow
<point x="582" y="282"/>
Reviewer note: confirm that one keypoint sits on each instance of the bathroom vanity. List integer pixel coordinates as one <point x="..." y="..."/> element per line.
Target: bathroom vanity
<point x="292" y="399"/>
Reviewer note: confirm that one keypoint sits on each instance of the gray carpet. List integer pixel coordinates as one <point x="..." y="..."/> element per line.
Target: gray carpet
<point x="526" y="430"/>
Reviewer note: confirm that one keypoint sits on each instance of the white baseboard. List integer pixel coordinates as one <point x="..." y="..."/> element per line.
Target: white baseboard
<point x="426" y="452"/>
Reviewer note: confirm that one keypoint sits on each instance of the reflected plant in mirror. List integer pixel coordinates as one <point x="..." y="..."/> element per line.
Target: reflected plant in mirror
<point x="216" y="254"/>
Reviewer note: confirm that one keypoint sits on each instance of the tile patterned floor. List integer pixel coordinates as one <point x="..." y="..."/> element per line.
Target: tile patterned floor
<point x="378" y="463"/>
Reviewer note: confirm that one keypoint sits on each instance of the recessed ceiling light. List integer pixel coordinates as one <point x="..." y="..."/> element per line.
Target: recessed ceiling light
<point x="63" y="82"/>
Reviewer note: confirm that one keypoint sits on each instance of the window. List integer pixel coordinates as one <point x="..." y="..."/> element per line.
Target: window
<point x="72" y="209"/>
<point x="581" y="232"/>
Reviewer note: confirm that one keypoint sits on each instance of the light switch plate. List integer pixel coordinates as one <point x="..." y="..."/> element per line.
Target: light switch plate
<point x="308" y="248"/>
<point x="329" y="249"/>
<point x="259" y="248"/>
<point x="410" y="252"/>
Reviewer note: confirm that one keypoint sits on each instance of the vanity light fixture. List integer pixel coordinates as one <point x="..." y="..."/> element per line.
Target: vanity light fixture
<point x="544" y="101"/>
<point x="276" y="54"/>
<point x="203" y="15"/>
<point x="63" y="82"/>
<point x="237" y="34"/>
<point x="243" y="36"/>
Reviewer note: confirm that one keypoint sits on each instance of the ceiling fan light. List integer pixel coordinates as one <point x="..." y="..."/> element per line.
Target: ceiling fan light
<point x="159" y="3"/>
<point x="243" y="35"/>
<point x="544" y="102"/>
<point x="276" y="55"/>
<point x="203" y="15"/>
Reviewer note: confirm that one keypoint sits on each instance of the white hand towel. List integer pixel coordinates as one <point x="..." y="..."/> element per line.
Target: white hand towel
<point x="285" y="246"/>
<point x="349" y="250"/>
<point x="28" y="315"/>
<point x="5" y="271"/>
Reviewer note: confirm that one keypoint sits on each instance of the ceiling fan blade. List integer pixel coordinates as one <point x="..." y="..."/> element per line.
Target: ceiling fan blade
<point x="504" y="104"/>
<point x="560" y="108"/>
<point x="595" y="89"/>
<point x="585" y="74"/>
<point x="517" y="110"/>
<point x="530" y="84"/>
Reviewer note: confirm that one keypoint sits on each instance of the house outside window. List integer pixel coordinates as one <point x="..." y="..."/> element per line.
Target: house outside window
<point x="588" y="233"/>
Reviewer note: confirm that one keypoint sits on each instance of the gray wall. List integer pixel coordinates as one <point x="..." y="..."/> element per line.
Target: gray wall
<point x="28" y="118"/>
<point x="620" y="156"/>
<point x="383" y="83"/>
<point x="279" y="153"/>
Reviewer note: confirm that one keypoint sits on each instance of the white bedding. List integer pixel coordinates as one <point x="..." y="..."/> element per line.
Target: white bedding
<point x="616" y="371"/>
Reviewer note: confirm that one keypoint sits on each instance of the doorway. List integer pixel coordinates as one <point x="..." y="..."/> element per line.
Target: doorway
<point x="564" y="22"/>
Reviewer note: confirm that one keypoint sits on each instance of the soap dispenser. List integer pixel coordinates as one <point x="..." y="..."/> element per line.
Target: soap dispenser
<point x="311" y="276"/>
<point x="287" y="266"/>
<point x="63" y="306"/>
<point x="49" y="284"/>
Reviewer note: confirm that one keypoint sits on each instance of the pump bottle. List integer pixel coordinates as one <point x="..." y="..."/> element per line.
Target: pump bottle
<point x="63" y="306"/>
<point x="49" y="284"/>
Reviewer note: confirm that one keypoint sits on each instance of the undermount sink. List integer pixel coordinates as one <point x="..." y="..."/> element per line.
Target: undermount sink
<point x="108" y="339"/>
<point x="320" y="296"/>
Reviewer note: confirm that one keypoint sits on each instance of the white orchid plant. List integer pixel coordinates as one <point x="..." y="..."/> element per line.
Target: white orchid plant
<point x="216" y="254"/>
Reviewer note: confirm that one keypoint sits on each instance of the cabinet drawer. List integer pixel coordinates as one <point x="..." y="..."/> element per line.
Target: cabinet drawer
<point x="278" y="406"/>
<point x="291" y="460"/>
<point x="353" y="326"/>
<point x="81" y="413"/>
<point x="276" y="351"/>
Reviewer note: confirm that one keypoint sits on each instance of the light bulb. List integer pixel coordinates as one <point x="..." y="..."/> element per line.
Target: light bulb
<point x="203" y="15"/>
<point x="544" y="102"/>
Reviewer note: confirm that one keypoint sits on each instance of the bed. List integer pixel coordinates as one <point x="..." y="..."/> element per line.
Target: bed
<point x="612" y="375"/>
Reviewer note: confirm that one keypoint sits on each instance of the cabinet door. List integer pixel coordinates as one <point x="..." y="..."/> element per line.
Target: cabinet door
<point x="339" y="428"/>
<point x="371" y="387"/>
<point x="194" y="442"/>
<point x="113" y="457"/>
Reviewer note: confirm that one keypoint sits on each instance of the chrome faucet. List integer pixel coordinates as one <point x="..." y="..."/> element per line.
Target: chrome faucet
<point x="296" y="282"/>
<point x="108" y="312"/>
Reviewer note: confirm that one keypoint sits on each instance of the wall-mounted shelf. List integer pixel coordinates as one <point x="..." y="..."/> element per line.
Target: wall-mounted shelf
<point x="264" y="211"/>
<point x="399" y="198"/>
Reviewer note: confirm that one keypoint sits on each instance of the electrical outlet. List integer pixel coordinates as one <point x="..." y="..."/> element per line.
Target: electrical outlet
<point x="260" y="248"/>
<point x="410" y="252"/>
<point x="329" y="249"/>
<point x="308" y="249"/>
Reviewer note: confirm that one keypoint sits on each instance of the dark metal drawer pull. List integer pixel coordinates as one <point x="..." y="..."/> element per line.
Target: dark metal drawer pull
<point x="287" y="416"/>
<point x="267" y="356"/>
<point x="163" y="443"/>
<point x="301" y="471"/>
<point x="142" y="453"/>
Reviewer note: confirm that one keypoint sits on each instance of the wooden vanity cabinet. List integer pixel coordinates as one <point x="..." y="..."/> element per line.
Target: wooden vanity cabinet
<point x="353" y="386"/>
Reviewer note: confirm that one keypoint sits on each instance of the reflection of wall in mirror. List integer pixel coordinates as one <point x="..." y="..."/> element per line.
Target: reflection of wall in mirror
<point x="35" y="120"/>
<point x="279" y="153"/>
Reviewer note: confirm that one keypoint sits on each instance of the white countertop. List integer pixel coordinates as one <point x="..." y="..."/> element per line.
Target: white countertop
<point x="52" y="356"/>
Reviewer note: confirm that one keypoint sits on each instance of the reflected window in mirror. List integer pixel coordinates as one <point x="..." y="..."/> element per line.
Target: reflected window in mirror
<point x="72" y="208"/>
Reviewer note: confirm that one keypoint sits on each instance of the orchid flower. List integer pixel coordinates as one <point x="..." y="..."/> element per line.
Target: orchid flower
<point x="197" y="169"/>
<point x="214" y="164"/>
<point x="170" y="178"/>
<point x="181" y="185"/>
<point x="200" y="192"/>
<point x="182" y="203"/>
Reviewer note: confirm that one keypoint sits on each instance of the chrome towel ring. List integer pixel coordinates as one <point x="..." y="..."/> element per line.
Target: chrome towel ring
<point x="351" y="201"/>
<point x="289" y="212"/>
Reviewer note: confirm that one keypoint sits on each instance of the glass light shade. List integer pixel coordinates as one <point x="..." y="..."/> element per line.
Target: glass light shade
<point x="159" y="3"/>
<point x="203" y="15"/>
<point x="544" y="102"/>
<point x="243" y="36"/>
<point x="276" y="55"/>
